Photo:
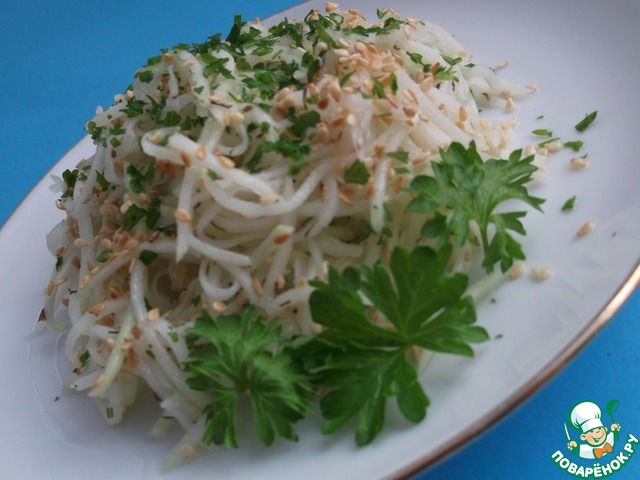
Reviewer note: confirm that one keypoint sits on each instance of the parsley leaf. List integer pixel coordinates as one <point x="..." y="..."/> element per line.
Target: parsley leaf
<point x="357" y="172"/>
<point x="465" y="189"/>
<point x="361" y="364"/>
<point x="234" y="355"/>
<point x="569" y="204"/>
<point x="586" y="121"/>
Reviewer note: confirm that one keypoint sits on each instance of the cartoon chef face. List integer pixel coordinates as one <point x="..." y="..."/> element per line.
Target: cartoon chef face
<point x="595" y="437"/>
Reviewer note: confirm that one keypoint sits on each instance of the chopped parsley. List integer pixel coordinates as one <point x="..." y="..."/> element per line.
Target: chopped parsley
<point x="569" y="204"/>
<point x="586" y="121"/>
<point x="357" y="173"/>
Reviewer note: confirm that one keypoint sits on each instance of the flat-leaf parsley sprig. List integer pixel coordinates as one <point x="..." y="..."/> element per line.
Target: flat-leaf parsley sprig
<point x="464" y="188"/>
<point x="234" y="355"/>
<point x="363" y="363"/>
<point x="354" y="365"/>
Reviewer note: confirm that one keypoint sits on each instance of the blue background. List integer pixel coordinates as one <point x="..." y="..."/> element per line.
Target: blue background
<point x="62" y="59"/>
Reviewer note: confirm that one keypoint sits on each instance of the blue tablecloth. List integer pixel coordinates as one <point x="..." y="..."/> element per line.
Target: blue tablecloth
<point x="57" y="65"/>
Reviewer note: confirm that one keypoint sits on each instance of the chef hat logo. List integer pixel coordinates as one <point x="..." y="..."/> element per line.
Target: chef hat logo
<point x="586" y="416"/>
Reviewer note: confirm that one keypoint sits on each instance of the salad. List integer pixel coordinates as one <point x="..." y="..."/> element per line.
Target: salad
<point x="298" y="214"/>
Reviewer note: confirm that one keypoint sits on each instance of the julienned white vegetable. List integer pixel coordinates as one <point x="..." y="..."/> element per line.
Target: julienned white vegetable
<point x="233" y="172"/>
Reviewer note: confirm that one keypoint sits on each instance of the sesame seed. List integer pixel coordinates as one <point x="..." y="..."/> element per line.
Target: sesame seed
<point x="235" y="117"/>
<point x="280" y="282"/>
<point x="257" y="286"/>
<point x="462" y="114"/>
<point x="83" y="281"/>
<point x="341" y="52"/>
<point x="226" y="161"/>
<point x="553" y="146"/>
<point x="98" y="308"/>
<point x="540" y="273"/>
<point x="426" y="84"/>
<point x="516" y="271"/>
<point x="510" y="105"/>
<point x="182" y="215"/>
<point x="502" y="64"/>
<point x="585" y="228"/>
<point x="219" y="306"/>
<point x="59" y="281"/>
<point x="131" y="244"/>
<point x="153" y="314"/>
<point x="345" y="199"/>
<point x="578" y="163"/>
<point x="409" y="111"/>
<point x="281" y="238"/>
<point x="80" y="243"/>
<point x="543" y="152"/>
<point x="186" y="158"/>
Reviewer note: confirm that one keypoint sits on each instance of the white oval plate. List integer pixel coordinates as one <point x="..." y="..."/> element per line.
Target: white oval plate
<point x="577" y="52"/>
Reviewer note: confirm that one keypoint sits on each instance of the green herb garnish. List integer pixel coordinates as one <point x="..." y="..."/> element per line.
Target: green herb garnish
<point x="586" y="121"/>
<point x="465" y="188"/>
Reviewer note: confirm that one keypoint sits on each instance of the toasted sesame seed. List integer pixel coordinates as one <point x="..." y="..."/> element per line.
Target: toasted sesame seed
<point x="83" y="281"/>
<point x="345" y="199"/>
<point x="409" y="111"/>
<point x="553" y="146"/>
<point x="80" y="243"/>
<point x="585" y="228"/>
<point x="59" y="281"/>
<point x="341" y="52"/>
<point x="257" y="286"/>
<point x="98" y="308"/>
<point x="516" y="271"/>
<point x="510" y="105"/>
<point x="281" y="238"/>
<point x="186" y="158"/>
<point x="578" y="163"/>
<point x="502" y="64"/>
<point x="219" y="306"/>
<point x="226" y="161"/>
<point x="462" y="114"/>
<point x="188" y="63"/>
<point x="182" y="215"/>
<point x="131" y="244"/>
<point x="280" y="282"/>
<point x="235" y="117"/>
<point x="59" y="205"/>
<point x="392" y="100"/>
<point x="543" y="152"/>
<point x="540" y="273"/>
<point x="426" y="84"/>
<point x="153" y="314"/>
<point x="157" y="137"/>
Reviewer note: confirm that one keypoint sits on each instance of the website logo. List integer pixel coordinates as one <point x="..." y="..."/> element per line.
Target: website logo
<point x="594" y="450"/>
